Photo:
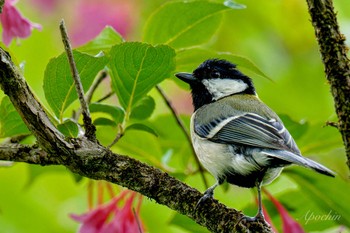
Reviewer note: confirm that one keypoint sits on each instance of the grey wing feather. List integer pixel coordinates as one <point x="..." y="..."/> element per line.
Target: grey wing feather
<point x="249" y="129"/>
<point x="300" y="160"/>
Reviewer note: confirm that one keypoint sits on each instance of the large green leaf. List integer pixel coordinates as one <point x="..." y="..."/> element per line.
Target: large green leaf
<point x="330" y="194"/>
<point x="137" y="68"/>
<point x="103" y="42"/>
<point x="59" y="87"/>
<point x="189" y="59"/>
<point x="11" y="123"/>
<point x="303" y="210"/>
<point x="184" y="24"/>
<point x="319" y="138"/>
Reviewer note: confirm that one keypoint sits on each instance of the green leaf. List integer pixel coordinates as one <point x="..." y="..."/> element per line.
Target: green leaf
<point x="184" y="24"/>
<point x="137" y="68"/>
<point x="11" y="123"/>
<point x="59" y="87"/>
<point x="104" y="121"/>
<point x="103" y="42"/>
<point x="142" y="127"/>
<point x="319" y="139"/>
<point x="69" y="128"/>
<point x="115" y="112"/>
<point x="143" y="109"/>
<point x="325" y="192"/>
<point x="189" y="59"/>
<point x="243" y="62"/>
<point x="301" y="209"/>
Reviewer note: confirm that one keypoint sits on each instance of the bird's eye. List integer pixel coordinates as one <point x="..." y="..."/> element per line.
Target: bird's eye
<point x="215" y="74"/>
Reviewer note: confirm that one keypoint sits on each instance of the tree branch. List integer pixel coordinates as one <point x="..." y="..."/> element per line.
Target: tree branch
<point x="28" y="154"/>
<point x="337" y="67"/>
<point x="90" y="159"/>
<point x="90" y="129"/>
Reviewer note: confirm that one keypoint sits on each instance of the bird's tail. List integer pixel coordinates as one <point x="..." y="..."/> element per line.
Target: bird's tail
<point x="299" y="160"/>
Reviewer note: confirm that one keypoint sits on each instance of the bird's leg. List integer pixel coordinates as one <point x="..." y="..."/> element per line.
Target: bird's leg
<point x="259" y="216"/>
<point x="209" y="193"/>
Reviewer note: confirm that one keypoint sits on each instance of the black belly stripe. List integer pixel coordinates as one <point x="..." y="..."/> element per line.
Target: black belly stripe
<point x="246" y="181"/>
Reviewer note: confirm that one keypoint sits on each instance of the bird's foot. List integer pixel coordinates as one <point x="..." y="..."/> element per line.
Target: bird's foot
<point x="207" y="195"/>
<point x="258" y="218"/>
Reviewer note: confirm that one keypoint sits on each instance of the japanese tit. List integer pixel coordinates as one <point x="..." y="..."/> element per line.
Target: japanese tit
<point x="236" y="136"/>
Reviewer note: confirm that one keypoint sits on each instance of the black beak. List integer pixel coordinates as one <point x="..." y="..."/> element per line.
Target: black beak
<point x="186" y="77"/>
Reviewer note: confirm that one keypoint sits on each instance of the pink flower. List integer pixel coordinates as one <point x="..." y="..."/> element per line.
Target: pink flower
<point x="92" y="16"/>
<point x="46" y="6"/>
<point x="110" y="218"/>
<point x="13" y="23"/>
<point x="289" y="225"/>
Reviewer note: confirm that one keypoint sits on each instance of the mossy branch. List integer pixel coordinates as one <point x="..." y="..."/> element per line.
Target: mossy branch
<point x="337" y="66"/>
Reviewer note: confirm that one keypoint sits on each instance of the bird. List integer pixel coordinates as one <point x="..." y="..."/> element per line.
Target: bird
<point x="236" y="136"/>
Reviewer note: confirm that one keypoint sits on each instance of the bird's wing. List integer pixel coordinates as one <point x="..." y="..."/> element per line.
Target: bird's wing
<point x="248" y="129"/>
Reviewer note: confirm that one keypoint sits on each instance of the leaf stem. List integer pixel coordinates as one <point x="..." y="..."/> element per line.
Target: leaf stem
<point x="90" y="129"/>
<point x="118" y="137"/>
<point x="101" y="76"/>
<point x="105" y="97"/>
<point x="183" y="128"/>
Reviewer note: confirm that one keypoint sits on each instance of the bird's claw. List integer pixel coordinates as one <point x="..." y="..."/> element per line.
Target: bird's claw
<point x="204" y="198"/>
<point x="258" y="218"/>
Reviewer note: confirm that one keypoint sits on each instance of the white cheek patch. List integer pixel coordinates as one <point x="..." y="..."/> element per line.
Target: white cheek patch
<point x="220" y="88"/>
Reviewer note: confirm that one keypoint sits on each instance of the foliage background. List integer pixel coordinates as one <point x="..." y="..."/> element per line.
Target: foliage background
<point x="278" y="37"/>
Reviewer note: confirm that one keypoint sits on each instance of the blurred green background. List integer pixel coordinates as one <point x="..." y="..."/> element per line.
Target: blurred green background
<point x="277" y="36"/>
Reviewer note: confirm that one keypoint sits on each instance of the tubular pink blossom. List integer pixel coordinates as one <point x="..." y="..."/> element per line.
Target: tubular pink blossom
<point x="110" y="218"/>
<point x="14" y="24"/>
<point x="289" y="225"/>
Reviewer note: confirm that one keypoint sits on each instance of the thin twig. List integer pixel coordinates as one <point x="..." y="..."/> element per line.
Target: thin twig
<point x="184" y="130"/>
<point x="118" y="137"/>
<point x="101" y="76"/>
<point x="90" y="129"/>
<point x="105" y="97"/>
<point x="332" y="123"/>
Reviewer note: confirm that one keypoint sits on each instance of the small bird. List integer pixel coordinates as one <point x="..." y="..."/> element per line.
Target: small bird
<point x="237" y="137"/>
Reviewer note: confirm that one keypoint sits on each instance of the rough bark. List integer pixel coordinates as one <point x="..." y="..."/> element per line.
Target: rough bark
<point x="337" y="66"/>
<point x="90" y="159"/>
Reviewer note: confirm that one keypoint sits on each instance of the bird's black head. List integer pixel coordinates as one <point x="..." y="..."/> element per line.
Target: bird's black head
<point x="215" y="79"/>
